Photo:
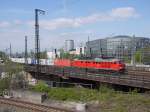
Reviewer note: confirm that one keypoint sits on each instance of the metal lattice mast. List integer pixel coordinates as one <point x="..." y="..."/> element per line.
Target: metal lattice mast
<point x="10" y="50"/>
<point x="37" y="40"/>
<point x="26" y="51"/>
<point x="133" y="49"/>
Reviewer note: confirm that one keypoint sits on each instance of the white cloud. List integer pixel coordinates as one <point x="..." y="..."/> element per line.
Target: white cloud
<point x="11" y="24"/>
<point x="4" y="24"/>
<point x="17" y="22"/>
<point x="125" y="12"/>
<point x="15" y="30"/>
<point x="59" y="23"/>
<point x="113" y="15"/>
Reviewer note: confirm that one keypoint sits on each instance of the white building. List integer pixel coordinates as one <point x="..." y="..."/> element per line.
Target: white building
<point x="52" y="54"/>
<point x="80" y="50"/>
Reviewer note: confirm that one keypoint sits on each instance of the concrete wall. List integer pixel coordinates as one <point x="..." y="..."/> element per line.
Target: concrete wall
<point x="29" y="96"/>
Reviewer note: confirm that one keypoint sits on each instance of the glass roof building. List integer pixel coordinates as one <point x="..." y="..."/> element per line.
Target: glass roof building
<point x="120" y="47"/>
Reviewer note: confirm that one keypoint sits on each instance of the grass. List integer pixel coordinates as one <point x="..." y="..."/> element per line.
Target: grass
<point x="109" y="100"/>
<point x="120" y="102"/>
<point x="72" y="94"/>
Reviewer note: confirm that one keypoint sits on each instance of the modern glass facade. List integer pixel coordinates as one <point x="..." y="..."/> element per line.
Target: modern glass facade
<point x="119" y="46"/>
<point x="97" y="48"/>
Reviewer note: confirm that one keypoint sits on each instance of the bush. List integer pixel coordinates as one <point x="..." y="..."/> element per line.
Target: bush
<point x="72" y="94"/>
<point x="4" y="84"/>
<point x="41" y="87"/>
<point x="109" y="99"/>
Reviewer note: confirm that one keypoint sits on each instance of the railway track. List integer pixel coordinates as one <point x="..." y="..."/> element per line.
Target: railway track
<point x="31" y="106"/>
<point x="145" y="74"/>
<point x="133" y="78"/>
<point x="139" y="72"/>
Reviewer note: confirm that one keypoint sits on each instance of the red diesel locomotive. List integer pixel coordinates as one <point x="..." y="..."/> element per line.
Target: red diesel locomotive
<point x="103" y="65"/>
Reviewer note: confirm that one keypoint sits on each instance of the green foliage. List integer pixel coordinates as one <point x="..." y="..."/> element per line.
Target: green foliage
<point x="72" y="94"/>
<point x="109" y="100"/>
<point x="4" y="84"/>
<point x="41" y="87"/>
<point x="63" y="54"/>
<point x="62" y="94"/>
<point x="18" y="81"/>
<point x="13" y="68"/>
<point x="31" y="54"/>
<point x="143" y="55"/>
<point x="43" y="55"/>
<point x="67" y="55"/>
<point x="138" y="56"/>
<point x="127" y="59"/>
<point x="105" y="89"/>
<point x="3" y="56"/>
<point x="146" y="55"/>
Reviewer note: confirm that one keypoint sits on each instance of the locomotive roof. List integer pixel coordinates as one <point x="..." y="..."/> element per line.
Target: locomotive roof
<point x="102" y="60"/>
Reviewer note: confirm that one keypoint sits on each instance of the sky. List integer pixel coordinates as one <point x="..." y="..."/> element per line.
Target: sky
<point x="70" y="19"/>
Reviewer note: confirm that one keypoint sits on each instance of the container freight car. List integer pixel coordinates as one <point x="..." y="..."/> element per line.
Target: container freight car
<point x="33" y="61"/>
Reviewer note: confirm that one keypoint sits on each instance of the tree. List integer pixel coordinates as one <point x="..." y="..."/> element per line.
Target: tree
<point x="31" y="54"/>
<point x="41" y="87"/>
<point x="138" y="56"/>
<point x="43" y="55"/>
<point x="146" y="55"/>
<point x="18" y="81"/>
<point x="4" y="84"/>
<point x="12" y="68"/>
<point x="3" y="56"/>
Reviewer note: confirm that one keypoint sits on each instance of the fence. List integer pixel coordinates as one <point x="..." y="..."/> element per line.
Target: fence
<point x="68" y="84"/>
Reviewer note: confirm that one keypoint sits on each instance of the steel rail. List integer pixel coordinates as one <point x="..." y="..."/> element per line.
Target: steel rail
<point x="31" y="106"/>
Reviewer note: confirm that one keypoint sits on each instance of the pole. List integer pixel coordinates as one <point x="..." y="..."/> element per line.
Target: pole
<point x="133" y="50"/>
<point x="36" y="37"/>
<point x="26" y="51"/>
<point x="56" y="53"/>
<point x="10" y="50"/>
<point x="26" y="59"/>
<point x="37" y="42"/>
<point x="88" y="47"/>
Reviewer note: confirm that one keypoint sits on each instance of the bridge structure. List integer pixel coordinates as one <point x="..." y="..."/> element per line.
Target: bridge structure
<point x="136" y="78"/>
